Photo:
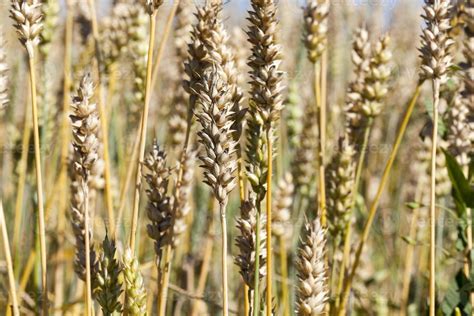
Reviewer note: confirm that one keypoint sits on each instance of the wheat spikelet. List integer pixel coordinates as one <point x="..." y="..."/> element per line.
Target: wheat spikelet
<point x="177" y="123"/>
<point x="246" y="242"/>
<point x="50" y="11"/>
<point x="116" y="30"/>
<point x="135" y="293"/>
<point x="109" y="285"/>
<point x="266" y="99"/>
<point x="312" y="288"/>
<point x="182" y="198"/>
<point x="316" y="27"/>
<point x="376" y="81"/>
<point x="216" y="134"/>
<point x="360" y="56"/>
<point x="152" y="6"/>
<point x="435" y="41"/>
<point x="340" y="180"/>
<point x="160" y="205"/>
<point x="294" y="114"/>
<point x="85" y="126"/>
<point x="27" y="18"/>
<point x="138" y="49"/>
<point x="282" y="226"/>
<point x="458" y="131"/>
<point x="304" y="162"/>
<point x="3" y="75"/>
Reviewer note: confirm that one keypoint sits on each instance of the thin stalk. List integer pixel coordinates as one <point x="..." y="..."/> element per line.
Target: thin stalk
<point x="161" y="48"/>
<point x="434" y="146"/>
<point x="284" y="277"/>
<point x="8" y="259"/>
<point x="256" y="280"/>
<point x="143" y="128"/>
<point x="246" y="300"/>
<point x="103" y="119"/>
<point x="269" y="221"/>
<point x="165" y="279"/>
<point x="225" y="299"/>
<point x="206" y="262"/>
<point x="87" y="246"/>
<point x="373" y="208"/>
<point x="321" y="112"/>
<point x="348" y="229"/>
<point x="410" y="252"/>
<point x="39" y="187"/>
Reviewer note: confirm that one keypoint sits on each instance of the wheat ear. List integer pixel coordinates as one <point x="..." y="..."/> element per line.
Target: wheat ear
<point x="135" y="293"/>
<point x="312" y="290"/>
<point x="436" y="60"/>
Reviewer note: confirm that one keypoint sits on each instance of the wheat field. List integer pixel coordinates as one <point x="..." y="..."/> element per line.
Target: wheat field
<point x="240" y="157"/>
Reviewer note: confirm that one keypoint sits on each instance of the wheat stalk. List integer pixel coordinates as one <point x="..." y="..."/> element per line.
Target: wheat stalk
<point x="436" y="60"/>
<point x="27" y="21"/>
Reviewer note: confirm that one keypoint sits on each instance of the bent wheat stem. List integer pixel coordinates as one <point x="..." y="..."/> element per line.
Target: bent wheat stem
<point x="375" y="203"/>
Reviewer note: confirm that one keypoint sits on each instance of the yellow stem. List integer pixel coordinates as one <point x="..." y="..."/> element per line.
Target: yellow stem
<point x="225" y="299"/>
<point x="434" y="145"/>
<point x="207" y="257"/>
<point x="87" y="248"/>
<point x="39" y="187"/>
<point x="373" y="208"/>
<point x="165" y="279"/>
<point x="103" y="119"/>
<point x="8" y="259"/>
<point x="161" y="48"/>
<point x="269" y="220"/>
<point x="143" y="130"/>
